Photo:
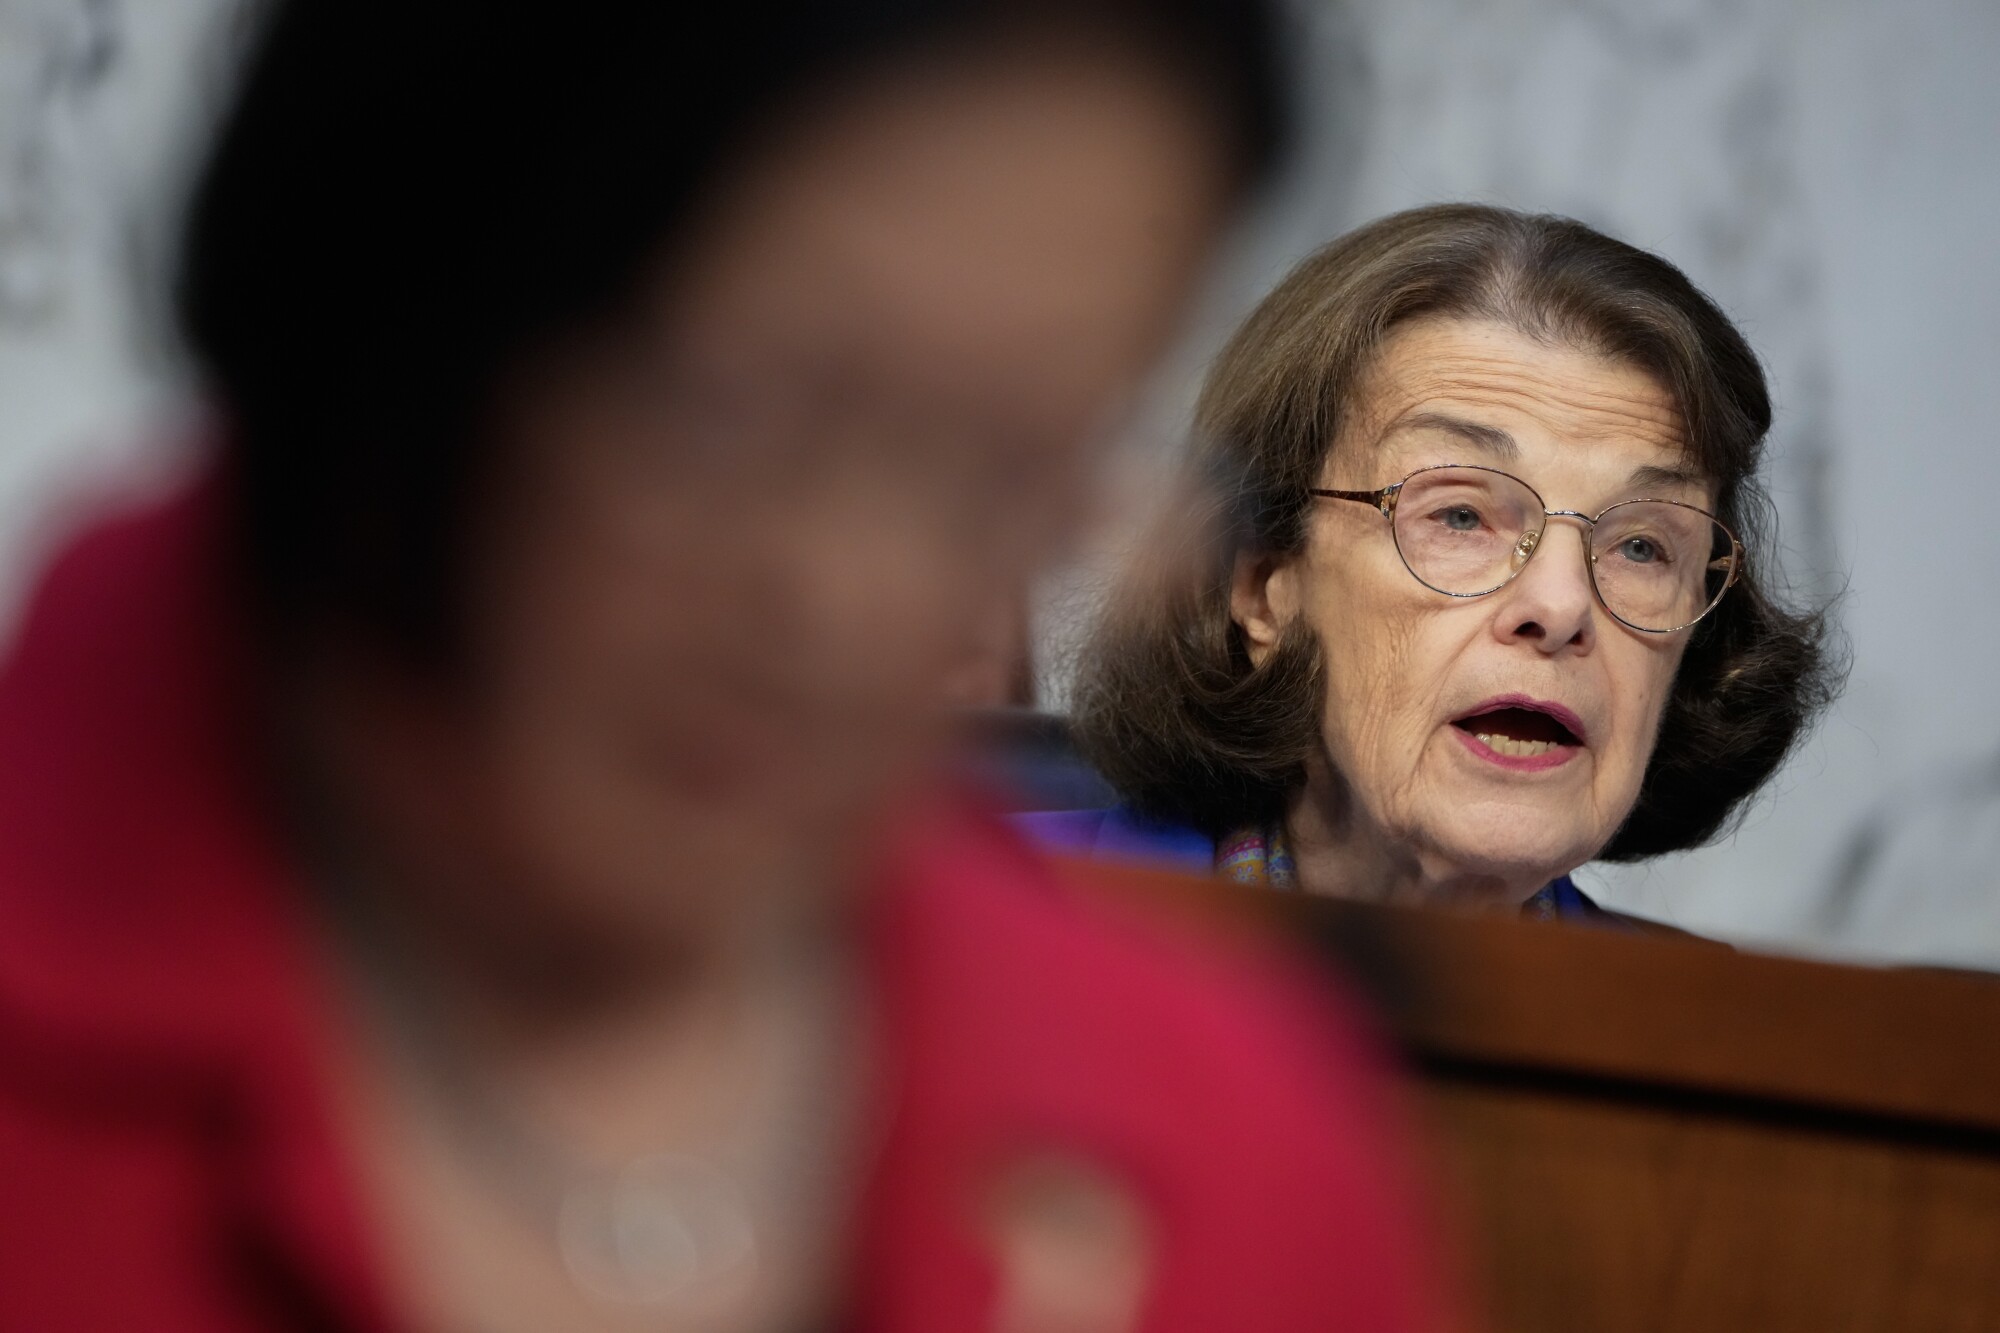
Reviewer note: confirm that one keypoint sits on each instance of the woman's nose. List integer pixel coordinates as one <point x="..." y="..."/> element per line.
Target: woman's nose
<point x="1550" y="603"/>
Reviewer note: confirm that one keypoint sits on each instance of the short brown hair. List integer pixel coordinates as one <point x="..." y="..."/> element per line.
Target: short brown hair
<point x="1168" y="705"/>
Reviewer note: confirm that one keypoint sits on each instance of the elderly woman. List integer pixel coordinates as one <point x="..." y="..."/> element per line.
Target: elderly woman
<point x="1485" y="601"/>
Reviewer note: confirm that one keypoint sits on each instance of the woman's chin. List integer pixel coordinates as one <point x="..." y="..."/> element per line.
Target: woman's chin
<point x="1524" y="845"/>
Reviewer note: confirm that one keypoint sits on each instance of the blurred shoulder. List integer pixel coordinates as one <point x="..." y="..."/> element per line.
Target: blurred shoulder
<point x="1089" y="993"/>
<point x="1118" y="833"/>
<point x="1237" y="1092"/>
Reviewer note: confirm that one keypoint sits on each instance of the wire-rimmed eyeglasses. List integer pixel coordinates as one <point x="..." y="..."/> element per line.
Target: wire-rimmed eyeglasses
<point x="1656" y="565"/>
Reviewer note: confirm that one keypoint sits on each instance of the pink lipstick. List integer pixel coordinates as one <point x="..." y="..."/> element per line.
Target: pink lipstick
<point x="1522" y="733"/>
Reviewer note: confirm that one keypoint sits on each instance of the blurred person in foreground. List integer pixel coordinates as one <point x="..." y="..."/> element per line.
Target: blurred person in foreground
<point x="1485" y="594"/>
<point x="465" y="861"/>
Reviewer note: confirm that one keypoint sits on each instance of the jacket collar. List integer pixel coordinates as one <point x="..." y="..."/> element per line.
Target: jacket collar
<point x="153" y="961"/>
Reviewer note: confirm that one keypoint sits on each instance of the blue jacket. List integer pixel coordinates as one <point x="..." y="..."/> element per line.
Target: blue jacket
<point x="1119" y="834"/>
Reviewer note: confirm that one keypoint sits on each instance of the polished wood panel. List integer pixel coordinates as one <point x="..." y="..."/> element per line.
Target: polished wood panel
<point x="1668" y="1136"/>
<point x="1621" y="1215"/>
<point x="1658" y="1135"/>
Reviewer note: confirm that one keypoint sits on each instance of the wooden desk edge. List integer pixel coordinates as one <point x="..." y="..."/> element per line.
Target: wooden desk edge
<point x="1496" y="994"/>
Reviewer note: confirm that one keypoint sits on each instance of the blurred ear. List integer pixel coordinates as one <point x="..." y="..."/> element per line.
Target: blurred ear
<point x="1263" y="599"/>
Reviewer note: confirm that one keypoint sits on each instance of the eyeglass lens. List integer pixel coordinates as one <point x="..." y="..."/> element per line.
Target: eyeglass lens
<point x="1466" y="531"/>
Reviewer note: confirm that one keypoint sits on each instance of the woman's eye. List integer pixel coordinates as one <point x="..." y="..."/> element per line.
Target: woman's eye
<point x="1460" y="518"/>
<point x="1642" y="551"/>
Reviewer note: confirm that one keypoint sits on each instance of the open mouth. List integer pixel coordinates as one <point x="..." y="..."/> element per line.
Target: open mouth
<point x="1519" y="732"/>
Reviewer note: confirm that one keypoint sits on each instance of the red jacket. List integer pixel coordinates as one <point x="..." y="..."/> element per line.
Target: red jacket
<point x="168" y="1159"/>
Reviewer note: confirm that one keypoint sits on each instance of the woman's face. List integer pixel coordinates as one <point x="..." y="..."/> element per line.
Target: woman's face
<point x="741" y="544"/>
<point x="1408" y="669"/>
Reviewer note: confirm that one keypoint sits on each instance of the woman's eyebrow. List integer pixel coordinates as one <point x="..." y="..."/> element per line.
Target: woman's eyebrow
<point x="1650" y="476"/>
<point x="1501" y="445"/>
<point x="1491" y="439"/>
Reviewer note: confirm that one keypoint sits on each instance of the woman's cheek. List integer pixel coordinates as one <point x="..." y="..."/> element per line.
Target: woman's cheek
<point x="1634" y="734"/>
<point x="1386" y="716"/>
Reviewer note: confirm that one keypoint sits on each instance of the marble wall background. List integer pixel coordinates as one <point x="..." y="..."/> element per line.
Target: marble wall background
<point x="101" y="102"/>
<point x="1828" y="169"/>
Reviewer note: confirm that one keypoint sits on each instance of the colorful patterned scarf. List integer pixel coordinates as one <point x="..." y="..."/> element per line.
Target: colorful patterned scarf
<point x="1260" y="856"/>
<point x="1256" y="856"/>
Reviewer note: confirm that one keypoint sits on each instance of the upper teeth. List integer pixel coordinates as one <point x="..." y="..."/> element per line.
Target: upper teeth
<point x="1518" y="749"/>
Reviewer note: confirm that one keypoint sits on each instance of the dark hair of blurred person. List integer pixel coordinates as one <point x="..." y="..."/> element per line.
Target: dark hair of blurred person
<point x="463" y="862"/>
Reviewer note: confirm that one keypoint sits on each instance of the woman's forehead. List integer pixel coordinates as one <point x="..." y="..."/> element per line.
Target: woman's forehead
<point x="1462" y="388"/>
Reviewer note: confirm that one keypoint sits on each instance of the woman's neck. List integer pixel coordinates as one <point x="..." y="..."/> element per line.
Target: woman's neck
<point x="1338" y="852"/>
<point x="419" y="880"/>
<point x="616" y="1018"/>
<point x="498" y="1089"/>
